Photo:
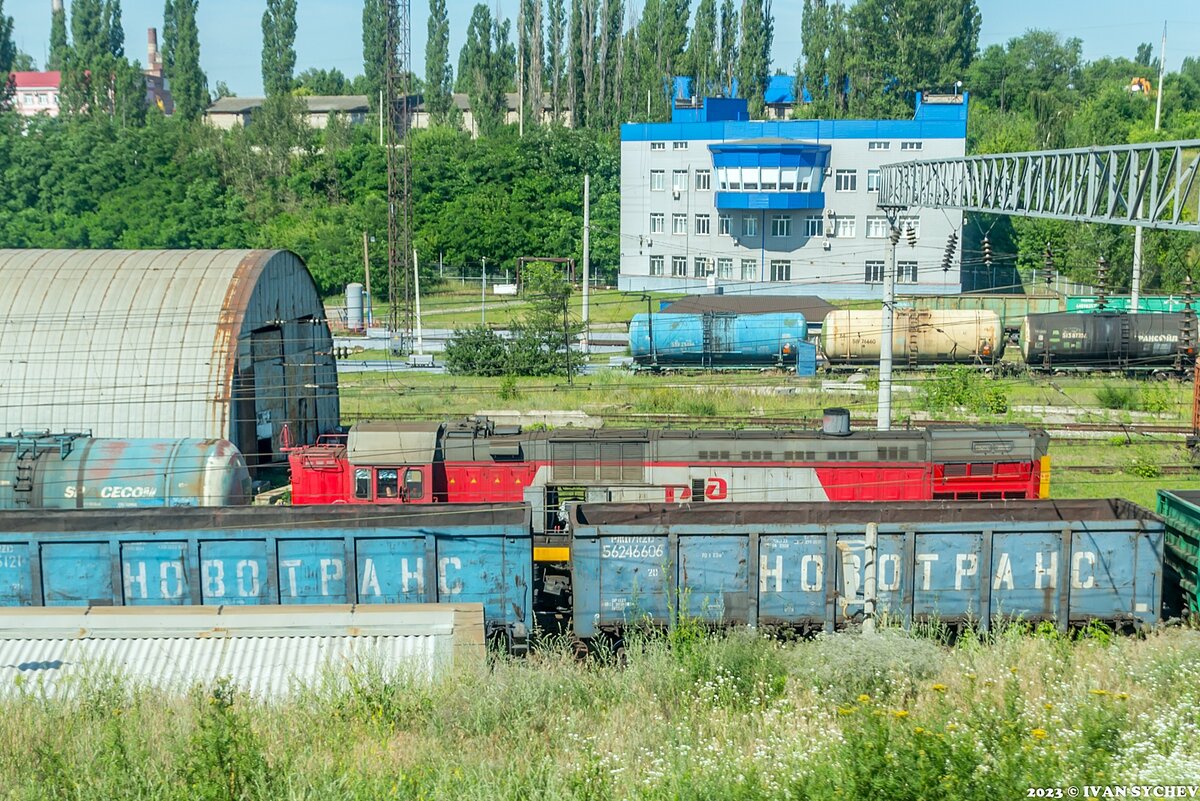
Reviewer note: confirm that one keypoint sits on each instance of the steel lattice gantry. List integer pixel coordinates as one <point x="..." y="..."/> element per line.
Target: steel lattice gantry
<point x="1151" y="184"/>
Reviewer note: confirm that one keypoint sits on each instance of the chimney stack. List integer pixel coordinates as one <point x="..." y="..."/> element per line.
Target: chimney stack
<point x="56" y="6"/>
<point x="153" y="58"/>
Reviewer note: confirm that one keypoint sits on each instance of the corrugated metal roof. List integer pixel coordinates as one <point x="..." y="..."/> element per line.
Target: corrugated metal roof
<point x="267" y="651"/>
<point x="812" y="307"/>
<point x="146" y="343"/>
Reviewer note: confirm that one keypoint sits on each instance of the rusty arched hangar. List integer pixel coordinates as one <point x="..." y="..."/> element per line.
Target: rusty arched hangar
<point x="227" y="344"/>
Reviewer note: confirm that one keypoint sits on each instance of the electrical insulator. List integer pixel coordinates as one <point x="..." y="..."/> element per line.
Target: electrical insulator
<point x="987" y="252"/>
<point x="951" y="249"/>
<point x="910" y="234"/>
<point x="894" y="235"/>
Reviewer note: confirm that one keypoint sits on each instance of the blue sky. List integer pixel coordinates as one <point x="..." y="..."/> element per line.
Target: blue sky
<point x="330" y="31"/>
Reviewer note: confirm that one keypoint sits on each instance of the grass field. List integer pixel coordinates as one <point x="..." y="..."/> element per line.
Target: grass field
<point x="701" y="717"/>
<point x="458" y="306"/>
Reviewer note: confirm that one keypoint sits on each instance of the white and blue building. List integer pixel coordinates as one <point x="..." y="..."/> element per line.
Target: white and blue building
<point x="714" y="198"/>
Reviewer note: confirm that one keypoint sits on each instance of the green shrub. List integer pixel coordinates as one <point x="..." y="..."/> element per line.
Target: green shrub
<point x="1116" y="397"/>
<point x="961" y="386"/>
<point x="1156" y="398"/>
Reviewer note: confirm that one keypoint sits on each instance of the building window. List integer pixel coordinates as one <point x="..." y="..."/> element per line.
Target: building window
<point x="700" y="267"/>
<point x="723" y="224"/>
<point x="658" y="145"/>
<point x="658" y="223"/>
<point x="787" y="179"/>
<point x="814" y="226"/>
<point x="878" y="145"/>
<point x="906" y="272"/>
<point x="679" y="266"/>
<point x="872" y="180"/>
<point x="702" y="223"/>
<point x="679" y="223"/>
<point x="656" y="265"/>
<point x="911" y="145"/>
<point x="877" y="227"/>
<point x="904" y="223"/>
<point x="749" y="225"/>
<point x="679" y="145"/>
<point x="749" y="270"/>
<point x="805" y="183"/>
<point x="843" y="228"/>
<point x="846" y="180"/>
<point x="725" y="268"/>
<point x="781" y="225"/>
<point x="781" y="270"/>
<point x="874" y="273"/>
<point x="703" y="180"/>
<point x="770" y="179"/>
<point x="679" y="180"/>
<point x="657" y="179"/>
<point x="750" y="178"/>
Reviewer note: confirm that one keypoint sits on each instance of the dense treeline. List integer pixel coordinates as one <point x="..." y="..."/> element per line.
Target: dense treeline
<point x="96" y="183"/>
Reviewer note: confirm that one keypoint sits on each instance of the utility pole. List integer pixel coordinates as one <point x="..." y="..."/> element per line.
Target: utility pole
<point x="567" y="334"/>
<point x="417" y="299"/>
<point x="367" y="273"/>
<point x="483" y="293"/>
<point x="587" y="229"/>
<point x="884" y="419"/>
<point x="1136" y="282"/>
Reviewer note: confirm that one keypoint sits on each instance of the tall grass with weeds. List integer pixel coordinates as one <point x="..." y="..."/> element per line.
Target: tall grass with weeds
<point x="684" y="715"/>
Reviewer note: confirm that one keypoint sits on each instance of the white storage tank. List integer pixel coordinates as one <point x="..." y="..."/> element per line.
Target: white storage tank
<point x="354" y="307"/>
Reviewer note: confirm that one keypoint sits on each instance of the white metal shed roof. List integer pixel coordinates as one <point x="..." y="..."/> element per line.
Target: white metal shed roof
<point x="147" y="343"/>
<point x="268" y="651"/>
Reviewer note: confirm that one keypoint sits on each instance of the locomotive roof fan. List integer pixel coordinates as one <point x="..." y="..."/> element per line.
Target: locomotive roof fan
<point x="836" y="423"/>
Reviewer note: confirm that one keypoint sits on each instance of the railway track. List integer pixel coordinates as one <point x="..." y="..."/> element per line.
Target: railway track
<point x="729" y="421"/>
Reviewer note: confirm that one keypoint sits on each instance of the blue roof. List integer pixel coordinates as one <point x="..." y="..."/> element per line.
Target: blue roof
<point x="727" y="118"/>
<point x="780" y="89"/>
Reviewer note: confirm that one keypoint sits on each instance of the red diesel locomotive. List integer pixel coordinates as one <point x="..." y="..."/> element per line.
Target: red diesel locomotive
<point x="476" y="461"/>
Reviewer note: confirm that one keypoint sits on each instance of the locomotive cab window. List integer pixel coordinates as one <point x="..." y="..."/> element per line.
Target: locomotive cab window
<point x="362" y="483"/>
<point x="387" y="483"/>
<point x="414" y="484"/>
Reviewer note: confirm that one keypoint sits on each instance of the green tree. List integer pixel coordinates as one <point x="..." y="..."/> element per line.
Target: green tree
<point x="486" y="65"/>
<point x="754" y="58"/>
<point x="530" y="59"/>
<point x="58" y="36"/>
<point x="315" y="81"/>
<point x="730" y="33"/>
<point x="822" y="69"/>
<point x="8" y="57"/>
<point x="555" y="55"/>
<point x="278" y="47"/>
<point x="702" y="56"/>
<point x="1006" y="76"/>
<point x="439" y="79"/>
<point x="609" y="60"/>
<point x="376" y="58"/>
<point x="189" y="85"/>
<point x="169" y="37"/>
<point x="113" y="29"/>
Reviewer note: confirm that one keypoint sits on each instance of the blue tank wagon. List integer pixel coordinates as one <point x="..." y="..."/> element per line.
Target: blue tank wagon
<point x="718" y="340"/>
<point x="741" y="564"/>
<point x="273" y="555"/>
<point x="39" y="470"/>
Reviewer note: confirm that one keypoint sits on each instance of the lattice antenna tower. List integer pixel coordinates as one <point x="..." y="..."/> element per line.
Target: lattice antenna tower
<point x="397" y="100"/>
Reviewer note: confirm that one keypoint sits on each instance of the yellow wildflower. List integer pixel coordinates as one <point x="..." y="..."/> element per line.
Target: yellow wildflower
<point x="939" y="688"/>
<point x="918" y="730"/>
<point x="1048" y="706"/>
<point x="1098" y="692"/>
<point x="900" y="713"/>
<point x="1123" y="696"/>
<point x="845" y="710"/>
<point x="864" y="698"/>
<point x="1038" y="734"/>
